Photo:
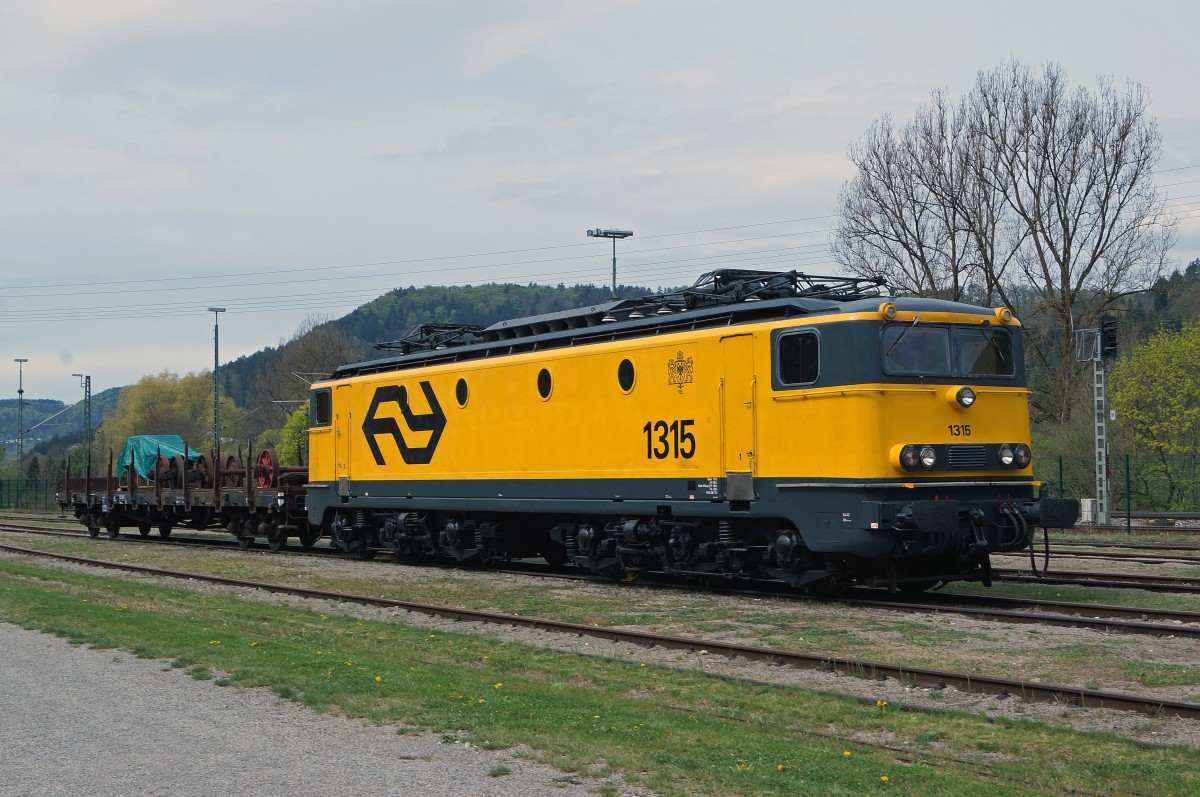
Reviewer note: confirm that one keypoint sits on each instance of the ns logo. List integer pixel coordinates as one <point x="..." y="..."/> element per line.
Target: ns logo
<point x="434" y="421"/>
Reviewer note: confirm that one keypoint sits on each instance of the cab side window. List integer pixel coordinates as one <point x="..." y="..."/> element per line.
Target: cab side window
<point x="320" y="408"/>
<point x="798" y="358"/>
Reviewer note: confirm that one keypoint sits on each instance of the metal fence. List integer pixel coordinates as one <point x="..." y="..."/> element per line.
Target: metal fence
<point x="1137" y="482"/>
<point x="35" y="495"/>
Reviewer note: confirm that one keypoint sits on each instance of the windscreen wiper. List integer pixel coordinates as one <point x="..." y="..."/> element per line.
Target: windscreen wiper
<point x="915" y="321"/>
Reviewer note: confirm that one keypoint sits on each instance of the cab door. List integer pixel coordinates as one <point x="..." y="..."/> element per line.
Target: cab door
<point x="738" y="417"/>
<point x="342" y="424"/>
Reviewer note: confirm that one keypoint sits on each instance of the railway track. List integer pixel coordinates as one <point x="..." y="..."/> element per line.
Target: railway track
<point x="1097" y="617"/>
<point x="1121" y="556"/>
<point x="921" y="676"/>
<point x="1140" y="546"/>
<point x="1177" y="584"/>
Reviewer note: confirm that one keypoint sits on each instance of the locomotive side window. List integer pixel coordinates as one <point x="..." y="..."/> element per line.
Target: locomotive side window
<point x="320" y="409"/>
<point x="983" y="351"/>
<point x="915" y="348"/>
<point x="625" y="375"/>
<point x="799" y="359"/>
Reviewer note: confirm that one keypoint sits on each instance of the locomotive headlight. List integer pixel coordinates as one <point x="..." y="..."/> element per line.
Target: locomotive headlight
<point x="887" y="310"/>
<point x="1006" y="456"/>
<point x="910" y="457"/>
<point x="1023" y="454"/>
<point x="928" y="457"/>
<point x="965" y="397"/>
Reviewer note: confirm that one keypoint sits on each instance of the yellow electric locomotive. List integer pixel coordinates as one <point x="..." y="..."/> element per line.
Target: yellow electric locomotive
<point x="812" y="430"/>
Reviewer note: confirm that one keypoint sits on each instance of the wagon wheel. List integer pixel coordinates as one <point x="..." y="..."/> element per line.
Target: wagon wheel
<point x="176" y="469"/>
<point x="164" y="531"/>
<point x="233" y="472"/>
<point x="144" y="530"/>
<point x="245" y="542"/>
<point x="93" y="531"/>
<point x="267" y="468"/>
<point x="207" y="468"/>
<point x="278" y="540"/>
<point x="163" y="468"/>
<point x="112" y="527"/>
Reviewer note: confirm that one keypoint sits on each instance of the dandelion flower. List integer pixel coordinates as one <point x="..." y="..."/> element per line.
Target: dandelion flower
<point x="846" y="753"/>
<point x="779" y="767"/>
<point x="497" y="686"/>
<point x="596" y="717"/>
<point x="378" y="679"/>
<point x="884" y="778"/>
<point x="253" y="644"/>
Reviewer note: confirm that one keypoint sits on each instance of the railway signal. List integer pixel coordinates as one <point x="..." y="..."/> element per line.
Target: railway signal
<point x="1108" y="336"/>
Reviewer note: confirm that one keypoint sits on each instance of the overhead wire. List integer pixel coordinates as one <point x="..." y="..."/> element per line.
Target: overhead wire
<point x="653" y="269"/>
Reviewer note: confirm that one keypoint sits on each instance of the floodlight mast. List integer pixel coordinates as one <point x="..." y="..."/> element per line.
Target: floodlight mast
<point x="614" y="235"/>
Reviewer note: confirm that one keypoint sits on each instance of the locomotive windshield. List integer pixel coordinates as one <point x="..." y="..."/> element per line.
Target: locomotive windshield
<point x="915" y="348"/>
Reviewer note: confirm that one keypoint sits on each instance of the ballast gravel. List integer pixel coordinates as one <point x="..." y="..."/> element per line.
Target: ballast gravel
<point x="78" y="721"/>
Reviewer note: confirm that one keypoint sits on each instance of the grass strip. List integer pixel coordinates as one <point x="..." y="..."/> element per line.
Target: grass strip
<point x="678" y="733"/>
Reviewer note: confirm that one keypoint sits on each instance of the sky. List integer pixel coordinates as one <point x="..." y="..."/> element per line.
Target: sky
<point x="291" y="160"/>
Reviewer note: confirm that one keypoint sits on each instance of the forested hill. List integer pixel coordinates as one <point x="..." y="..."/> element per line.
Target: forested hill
<point x="391" y="315"/>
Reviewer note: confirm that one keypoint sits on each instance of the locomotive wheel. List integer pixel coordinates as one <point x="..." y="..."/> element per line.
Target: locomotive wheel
<point x="144" y="531"/>
<point x="309" y="537"/>
<point x="828" y="587"/>
<point x="267" y="469"/>
<point x="164" y="531"/>
<point x="554" y="554"/>
<point x="233" y="472"/>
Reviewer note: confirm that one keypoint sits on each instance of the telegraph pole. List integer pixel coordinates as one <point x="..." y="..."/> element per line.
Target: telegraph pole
<point x="216" y="444"/>
<point x="85" y="382"/>
<point x="20" y="361"/>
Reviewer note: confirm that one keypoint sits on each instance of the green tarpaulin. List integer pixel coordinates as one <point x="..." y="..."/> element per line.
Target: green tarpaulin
<point x="145" y="447"/>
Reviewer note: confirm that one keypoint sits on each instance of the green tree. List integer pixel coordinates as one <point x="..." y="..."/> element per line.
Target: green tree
<point x="1156" y="395"/>
<point x="165" y="403"/>
<point x="294" y="439"/>
<point x="34" y="470"/>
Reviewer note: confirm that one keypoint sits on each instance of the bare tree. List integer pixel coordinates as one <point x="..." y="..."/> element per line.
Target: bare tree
<point x="316" y="348"/>
<point x="902" y="214"/>
<point x="1026" y="192"/>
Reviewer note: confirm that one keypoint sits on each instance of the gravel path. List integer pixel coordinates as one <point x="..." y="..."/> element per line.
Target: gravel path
<point x="76" y="721"/>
